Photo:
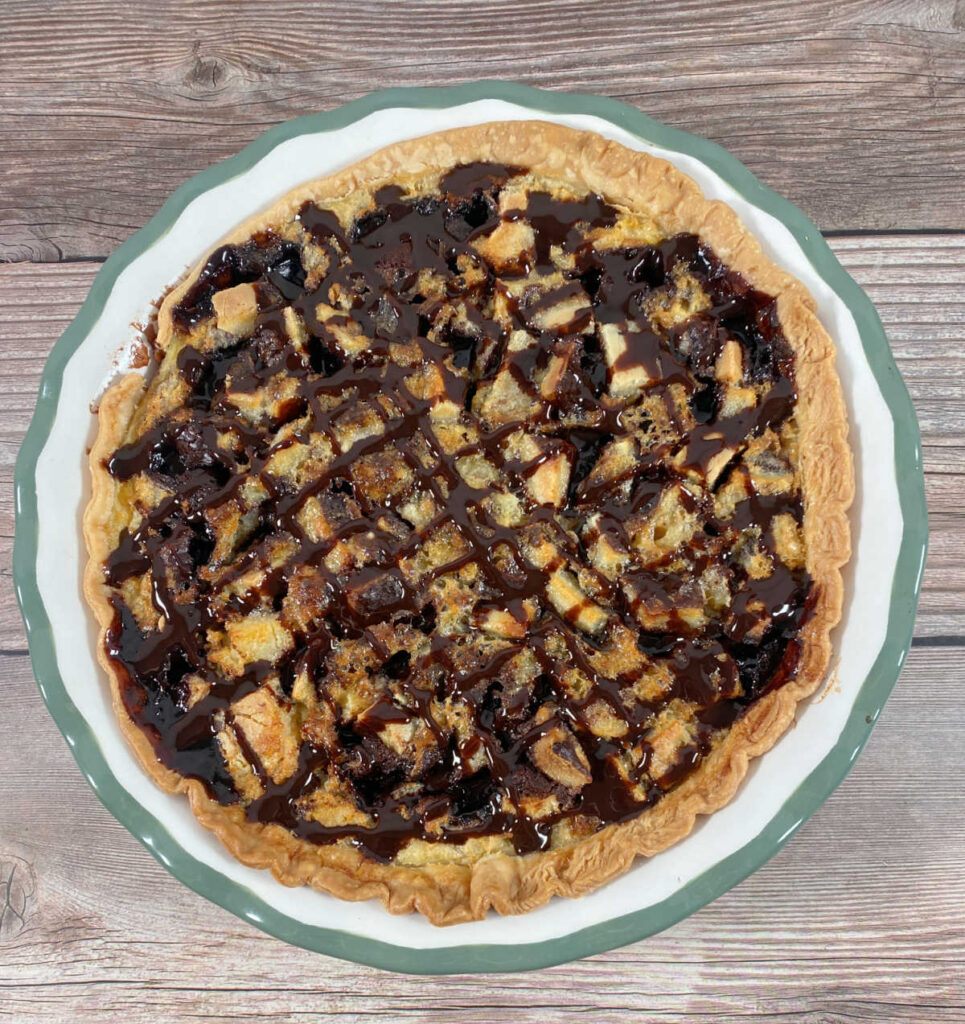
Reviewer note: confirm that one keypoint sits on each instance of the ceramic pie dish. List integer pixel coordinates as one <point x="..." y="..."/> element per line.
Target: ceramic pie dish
<point x="581" y="615"/>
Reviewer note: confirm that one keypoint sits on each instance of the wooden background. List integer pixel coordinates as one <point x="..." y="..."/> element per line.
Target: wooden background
<point x="854" y="109"/>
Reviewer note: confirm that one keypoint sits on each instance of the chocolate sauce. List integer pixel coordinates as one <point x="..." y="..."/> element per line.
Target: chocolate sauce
<point x="376" y="267"/>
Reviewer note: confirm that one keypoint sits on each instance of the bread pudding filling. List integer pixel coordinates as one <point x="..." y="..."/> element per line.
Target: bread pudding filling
<point x="472" y="509"/>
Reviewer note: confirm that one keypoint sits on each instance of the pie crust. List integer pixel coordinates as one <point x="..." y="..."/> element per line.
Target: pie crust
<point x="449" y="883"/>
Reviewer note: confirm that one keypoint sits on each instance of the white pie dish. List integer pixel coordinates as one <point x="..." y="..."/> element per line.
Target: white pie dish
<point x="779" y="791"/>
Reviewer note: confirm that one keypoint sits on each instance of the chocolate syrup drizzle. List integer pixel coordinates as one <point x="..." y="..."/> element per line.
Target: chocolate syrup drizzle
<point x="377" y="263"/>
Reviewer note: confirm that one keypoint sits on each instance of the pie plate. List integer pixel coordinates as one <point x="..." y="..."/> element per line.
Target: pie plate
<point x="888" y="521"/>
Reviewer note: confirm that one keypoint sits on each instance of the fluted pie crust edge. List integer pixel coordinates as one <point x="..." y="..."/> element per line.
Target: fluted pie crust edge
<point x="447" y="892"/>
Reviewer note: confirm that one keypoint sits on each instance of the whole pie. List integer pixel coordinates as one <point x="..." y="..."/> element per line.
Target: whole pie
<point x="479" y="516"/>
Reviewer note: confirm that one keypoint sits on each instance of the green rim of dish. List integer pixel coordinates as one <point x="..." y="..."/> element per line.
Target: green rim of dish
<point x="619" y="931"/>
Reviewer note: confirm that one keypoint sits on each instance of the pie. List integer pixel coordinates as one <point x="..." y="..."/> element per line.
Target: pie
<point x="479" y="516"/>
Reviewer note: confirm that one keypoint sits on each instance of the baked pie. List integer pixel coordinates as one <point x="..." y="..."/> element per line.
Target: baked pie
<point x="479" y="517"/>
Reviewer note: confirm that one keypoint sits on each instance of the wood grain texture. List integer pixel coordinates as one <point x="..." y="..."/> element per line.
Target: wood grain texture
<point x="925" y="328"/>
<point x="855" y="109"/>
<point x="859" y="918"/>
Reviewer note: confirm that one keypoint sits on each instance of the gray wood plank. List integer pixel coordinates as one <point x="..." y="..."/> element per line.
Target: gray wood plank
<point x="853" y="110"/>
<point x="925" y="327"/>
<point x="916" y="289"/>
<point x="858" y="918"/>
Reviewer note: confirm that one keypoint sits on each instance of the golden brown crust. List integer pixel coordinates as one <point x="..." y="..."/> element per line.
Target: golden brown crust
<point x="450" y="892"/>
